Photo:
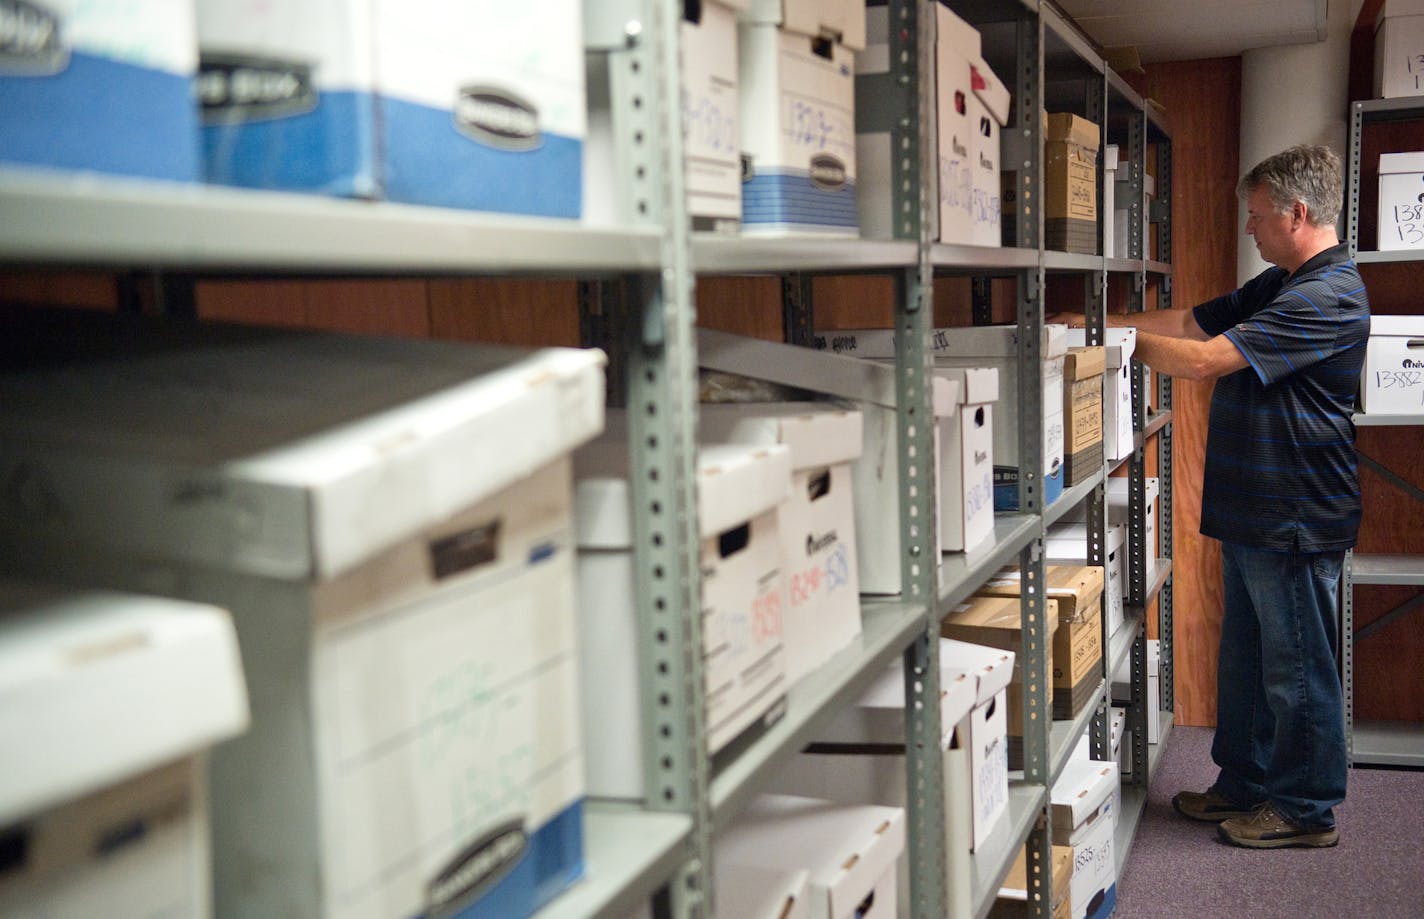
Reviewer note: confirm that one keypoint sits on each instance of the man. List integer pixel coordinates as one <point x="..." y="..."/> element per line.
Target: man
<point x="1280" y="491"/>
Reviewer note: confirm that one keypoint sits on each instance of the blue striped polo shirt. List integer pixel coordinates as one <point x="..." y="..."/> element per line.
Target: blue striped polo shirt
<point x="1280" y="452"/>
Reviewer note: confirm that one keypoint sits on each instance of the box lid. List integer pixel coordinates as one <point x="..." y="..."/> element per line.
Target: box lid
<point x="1075" y="129"/>
<point x="995" y="622"/>
<point x="842" y="20"/>
<point x="1117" y="487"/>
<point x="963" y="341"/>
<point x="735" y="482"/>
<point x="756" y="892"/>
<point x="1075" y="587"/>
<point x="878" y="716"/>
<point x="806" y="368"/>
<point x="1394" y="163"/>
<point x="1118" y="344"/>
<point x="1397" y="326"/>
<point x="289" y="454"/>
<point x="1069" y="541"/>
<point x="1394" y="8"/>
<point x="818" y="434"/>
<point x="1081" y="789"/>
<point x="991" y="668"/>
<point x="845" y="848"/>
<point x="977" y="385"/>
<point x="99" y="686"/>
<point x="1110" y="157"/>
<point x="990" y="90"/>
<point x="1084" y="361"/>
<point x="955" y="34"/>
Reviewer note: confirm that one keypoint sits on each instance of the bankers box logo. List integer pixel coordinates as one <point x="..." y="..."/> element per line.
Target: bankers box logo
<point x="498" y="119"/>
<point x="235" y="87"/>
<point x="475" y="870"/>
<point x="31" y="40"/>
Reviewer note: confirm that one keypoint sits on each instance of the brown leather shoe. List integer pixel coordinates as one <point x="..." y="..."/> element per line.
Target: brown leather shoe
<point x="1208" y="806"/>
<point x="1268" y="829"/>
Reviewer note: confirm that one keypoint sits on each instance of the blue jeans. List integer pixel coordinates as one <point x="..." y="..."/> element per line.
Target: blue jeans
<point x="1280" y="733"/>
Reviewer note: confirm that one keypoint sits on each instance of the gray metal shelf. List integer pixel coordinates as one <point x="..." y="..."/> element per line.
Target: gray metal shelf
<point x="1071" y="261"/>
<point x="1071" y="497"/>
<point x="1389" y="743"/>
<point x="988" y="867"/>
<point x="1363" y="420"/>
<point x="981" y="260"/>
<point x="1387" y="569"/>
<point x="717" y="254"/>
<point x="48" y="218"/>
<point x="887" y="628"/>
<point x="1134" y="797"/>
<point x="1387" y="256"/>
<point x="961" y="573"/>
<point x="1123" y="265"/>
<point x="1119" y="644"/>
<point x="1066" y="733"/>
<point x="628" y="855"/>
<point x="1157" y="579"/>
<point x="1153" y="266"/>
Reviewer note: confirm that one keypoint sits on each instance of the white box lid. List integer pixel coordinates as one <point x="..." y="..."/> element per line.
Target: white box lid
<point x="843" y="20"/>
<point x="878" y="716"/>
<point x="818" y="434"/>
<point x="956" y="34"/>
<point x="1110" y="157"/>
<point x="1397" y="326"/>
<point x="806" y="368"/>
<point x="735" y="482"/>
<point x="1119" y="343"/>
<point x="992" y="668"/>
<point x="99" y="686"/>
<point x="1070" y="541"/>
<point x="288" y="454"/>
<point x="962" y="341"/>
<point x="1393" y="163"/>
<point x="990" y="90"/>
<point x="1117" y="489"/>
<point x="755" y="892"/>
<point x="1083" y="786"/>
<point x="846" y="848"/>
<point x="1394" y="8"/>
<point x="977" y="385"/>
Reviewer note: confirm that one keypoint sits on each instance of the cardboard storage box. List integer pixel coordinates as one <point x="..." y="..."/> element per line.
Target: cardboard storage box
<point x="1083" y="816"/>
<point x="108" y="707"/>
<point x="817" y="521"/>
<point x="997" y="622"/>
<point x="870" y="387"/>
<point x="1070" y="184"/>
<point x="740" y="490"/>
<point x="1067" y="544"/>
<point x="375" y="513"/>
<point x="100" y="85"/>
<point x="1118" y="500"/>
<point x="850" y="852"/>
<point x="1401" y="214"/>
<point x="1012" y="902"/>
<point x="859" y="758"/>
<point x="1078" y="637"/>
<point x="993" y="346"/>
<point x="984" y="770"/>
<point x="1117" y="388"/>
<point x="797" y="110"/>
<point x="966" y="496"/>
<point x="710" y="102"/>
<point x="1082" y="414"/>
<point x="989" y="112"/>
<point x="754" y="892"/>
<point x="1392" y="379"/>
<point x="1110" y="214"/>
<point x="1399" y="44"/>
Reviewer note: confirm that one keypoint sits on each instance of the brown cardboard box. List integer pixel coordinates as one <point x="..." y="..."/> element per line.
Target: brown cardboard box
<point x="1009" y="906"/>
<point x="1078" y="630"/>
<point x="1070" y="183"/>
<point x="996" y="622"/>
<point x="1083" y="370"/>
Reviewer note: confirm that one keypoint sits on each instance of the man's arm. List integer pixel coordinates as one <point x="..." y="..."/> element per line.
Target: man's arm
<point x="1170" y="323"/>
<point x="1187" y="358"/>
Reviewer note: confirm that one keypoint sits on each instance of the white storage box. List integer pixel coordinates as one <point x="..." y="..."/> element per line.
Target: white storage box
<point x="817" y="521"/>
<point x="375" y="513"/>
<point x="859" y="757"/>
<point x="1392" y="380"/>
<point x="1122" y="688"/>
<point x="797" y="110"/>
<point x="988" y="759"/>
<point x="711" y="125"/>
<point x="1401" y="213"/>
<point x="1399" y="44"/>
<point x="1067" y="544"/>
<point x="1084" y="817"/>
<point x="874" y="479"/>
<point x="989" y="112"/>
<point x="850" y="852"/>
<point x="1109" y="212"/>
<point x="312" y="124"/>
<point x="1117" y="513"/>
<point x="108" y="705"/>
<point x="966" y="497"/>
<point x="1117" y="388"/>
<point x="101" y="85"/>
<point x="740" y="490"/>
<point x="754" y="892"/>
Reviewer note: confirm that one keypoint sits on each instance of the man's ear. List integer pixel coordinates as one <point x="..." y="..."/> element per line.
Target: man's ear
<point x="1299" y="213"/>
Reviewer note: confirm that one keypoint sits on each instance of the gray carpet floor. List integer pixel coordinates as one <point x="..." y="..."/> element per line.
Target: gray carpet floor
<point x="1177" y="868"/>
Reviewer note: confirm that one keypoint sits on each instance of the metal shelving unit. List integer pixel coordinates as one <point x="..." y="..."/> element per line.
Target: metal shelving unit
<point x="48" y="220"/>
<point x="1377" y="742"/>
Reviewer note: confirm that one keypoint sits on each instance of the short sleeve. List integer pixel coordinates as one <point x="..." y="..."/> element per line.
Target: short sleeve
<point x="1295" y="331"/>
<point x="1216" y="316"/>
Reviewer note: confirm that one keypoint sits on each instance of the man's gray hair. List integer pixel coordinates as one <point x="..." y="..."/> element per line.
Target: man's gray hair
<point x="1308" y="173"/>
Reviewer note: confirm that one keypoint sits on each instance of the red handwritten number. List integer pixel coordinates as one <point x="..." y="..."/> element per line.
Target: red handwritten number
<point x="766" y="616"/>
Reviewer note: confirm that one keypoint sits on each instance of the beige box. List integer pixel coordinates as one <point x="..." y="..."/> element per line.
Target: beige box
<point x="1013" y="893"/>
<point x="1067" y="544"/>
<point x="1078" y="637"/>
<point x="1070" y="183"/>
<point x="997" y="622"/>
<point x="1082" y="413"/>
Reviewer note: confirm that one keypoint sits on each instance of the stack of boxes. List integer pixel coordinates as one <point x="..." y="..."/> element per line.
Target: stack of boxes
<point x="1082" y="414"/>
<point x="1117" y="388"/>
<point x="1084" y="816"/>
<point x="1070" y="184"/>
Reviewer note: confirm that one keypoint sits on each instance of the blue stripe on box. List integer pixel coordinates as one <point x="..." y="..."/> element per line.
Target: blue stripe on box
<point x="1006" y="493"/>
<point x="329" y="150"/>
<point x="788" y="198"/>
<point x="429" y="161"/>
<point x="103" y="115"/>
<point x="552" y="862"/>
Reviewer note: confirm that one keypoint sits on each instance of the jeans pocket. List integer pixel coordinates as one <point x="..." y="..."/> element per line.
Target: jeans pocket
<point x="1327" y="565"/>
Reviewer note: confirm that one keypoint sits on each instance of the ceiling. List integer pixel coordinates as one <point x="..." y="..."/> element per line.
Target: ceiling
<point x="1184" y="30"/>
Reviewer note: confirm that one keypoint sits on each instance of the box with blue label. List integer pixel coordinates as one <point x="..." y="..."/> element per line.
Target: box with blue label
<point x="740" y="490"/>
<point x="797" y="110"/>
<point x="287" y="92"/>
<point x="109" y="706"/>
<point x="1084" y="816"/>
<point x="102" y="86"/>
<point x="389" y="522"/>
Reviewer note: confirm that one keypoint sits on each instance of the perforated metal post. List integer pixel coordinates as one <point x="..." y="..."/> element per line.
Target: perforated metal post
<point x="1347" y="651"/>
<point x="1166" y="481"/>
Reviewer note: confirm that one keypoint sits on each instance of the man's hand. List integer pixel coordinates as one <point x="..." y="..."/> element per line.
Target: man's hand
<point x="1074" y="320"/>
